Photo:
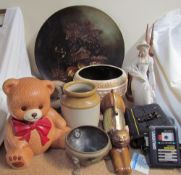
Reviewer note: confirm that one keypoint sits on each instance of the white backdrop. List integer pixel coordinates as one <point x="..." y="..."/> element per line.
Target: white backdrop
<point x="131" y="16"/>
<point x="14" y="62"/>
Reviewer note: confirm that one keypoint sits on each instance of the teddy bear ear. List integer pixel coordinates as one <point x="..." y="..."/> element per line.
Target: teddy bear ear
<point x="9" y="84"/>
<point x="50" y="85"/>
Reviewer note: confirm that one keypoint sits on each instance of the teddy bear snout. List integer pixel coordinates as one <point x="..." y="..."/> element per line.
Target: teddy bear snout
<point x="32" y="115"/>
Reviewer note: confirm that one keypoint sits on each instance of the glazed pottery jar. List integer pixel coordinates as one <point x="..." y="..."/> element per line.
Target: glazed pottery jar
<point x="106" y="78"/>
<point x="80" y="104"/>
<point x="84" y="149"/>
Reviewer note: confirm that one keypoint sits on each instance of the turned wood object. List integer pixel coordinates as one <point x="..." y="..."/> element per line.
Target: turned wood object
<point x="113" y="109"/>
<point x="121" y="161"/>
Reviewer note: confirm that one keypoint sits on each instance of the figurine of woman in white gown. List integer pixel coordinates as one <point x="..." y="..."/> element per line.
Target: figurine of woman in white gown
<point x="142" y="77"/>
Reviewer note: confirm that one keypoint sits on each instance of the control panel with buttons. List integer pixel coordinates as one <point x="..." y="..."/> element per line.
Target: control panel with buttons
<point x="164" y="147"/>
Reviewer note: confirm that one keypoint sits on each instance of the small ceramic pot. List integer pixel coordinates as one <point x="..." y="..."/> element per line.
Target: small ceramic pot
<point x="106" y="78"/>
<point x="87" y="144"/>
<point x="80" y="104"/>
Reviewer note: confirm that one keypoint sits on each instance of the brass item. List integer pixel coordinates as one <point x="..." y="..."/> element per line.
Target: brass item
<point x="112" y="99"/>
<point x="113" y="109"/>
<point x="114" y="123"/>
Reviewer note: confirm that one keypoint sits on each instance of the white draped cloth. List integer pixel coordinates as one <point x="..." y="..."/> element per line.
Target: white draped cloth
<point x="167" y="46"/>
<point x="14" y="61"/>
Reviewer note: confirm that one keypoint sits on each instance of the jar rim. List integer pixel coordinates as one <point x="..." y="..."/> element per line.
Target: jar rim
<point x="79" y="88"/>
<point x="118" y="72"/>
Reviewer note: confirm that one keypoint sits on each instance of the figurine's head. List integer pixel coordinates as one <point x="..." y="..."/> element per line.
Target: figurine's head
<point x="120" y="138"/>
<point x="143" y="49"/>
<point x="28" y="98"/>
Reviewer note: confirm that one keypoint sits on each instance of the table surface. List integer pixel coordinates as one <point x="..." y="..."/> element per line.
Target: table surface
<point x="56" y="162"/>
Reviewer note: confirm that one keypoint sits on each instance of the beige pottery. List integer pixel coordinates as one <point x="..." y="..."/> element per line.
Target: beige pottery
<point x="80" y="104"/>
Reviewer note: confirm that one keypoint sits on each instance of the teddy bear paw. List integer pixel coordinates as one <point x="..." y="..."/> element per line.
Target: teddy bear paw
<point x="16" y="161"/>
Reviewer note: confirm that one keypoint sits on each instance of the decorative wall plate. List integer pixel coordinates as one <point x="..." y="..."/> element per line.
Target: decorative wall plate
<point x="74" y="37"/>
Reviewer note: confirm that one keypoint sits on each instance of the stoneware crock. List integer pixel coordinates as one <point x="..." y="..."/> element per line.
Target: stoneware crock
<point x="87" y="144"/>
<point x="80" y="104"/>
<point x="106" y="78"/>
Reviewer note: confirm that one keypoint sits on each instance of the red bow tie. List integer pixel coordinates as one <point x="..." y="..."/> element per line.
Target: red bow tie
<point x="23" y="130"/>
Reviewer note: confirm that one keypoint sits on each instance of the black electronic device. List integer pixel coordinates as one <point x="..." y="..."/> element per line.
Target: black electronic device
<point x="163" y="148"/>
<point x="139" y="118"/>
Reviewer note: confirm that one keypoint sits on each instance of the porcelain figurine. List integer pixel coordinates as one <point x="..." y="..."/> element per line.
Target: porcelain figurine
<point x="142" y="77"/>
<point x="33" y="126"/>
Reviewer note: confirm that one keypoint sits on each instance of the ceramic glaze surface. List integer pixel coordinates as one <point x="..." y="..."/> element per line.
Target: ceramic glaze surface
<point x="106" y="78"/>
<point x="33" y="125"/>
<point x="80" y="104"/>
<point x="85" y="149"/>
<point x="79" y="117"/>
<point x="81" y="139"/>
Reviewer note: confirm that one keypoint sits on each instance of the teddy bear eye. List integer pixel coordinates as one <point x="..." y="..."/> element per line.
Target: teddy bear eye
<point x="23" y="108"/>
<point x="41" y="106"/>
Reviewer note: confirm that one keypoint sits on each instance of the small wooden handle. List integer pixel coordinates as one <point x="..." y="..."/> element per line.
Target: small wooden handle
<point x="121" y="161"/>
<point x="112" y="99"/>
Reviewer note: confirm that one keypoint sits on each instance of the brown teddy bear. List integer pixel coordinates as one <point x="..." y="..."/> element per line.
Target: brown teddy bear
<point x="33" y="125"/>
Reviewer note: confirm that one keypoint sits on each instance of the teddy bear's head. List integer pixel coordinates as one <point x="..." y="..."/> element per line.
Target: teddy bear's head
<point x="28" y="98"/>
